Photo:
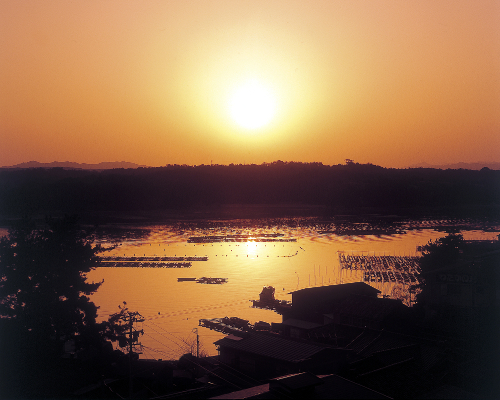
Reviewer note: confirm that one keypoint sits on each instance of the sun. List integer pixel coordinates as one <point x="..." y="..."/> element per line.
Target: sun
<point x="252" y="105"/>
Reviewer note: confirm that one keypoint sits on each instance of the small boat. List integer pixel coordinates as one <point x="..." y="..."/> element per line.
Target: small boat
<point x="185" y="279"/>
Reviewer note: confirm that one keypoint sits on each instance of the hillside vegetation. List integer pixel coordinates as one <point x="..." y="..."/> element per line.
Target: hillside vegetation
<point x="337" y="189"/>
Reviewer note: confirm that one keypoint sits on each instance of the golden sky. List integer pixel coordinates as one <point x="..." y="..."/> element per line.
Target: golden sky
<point x="393" y="83"/>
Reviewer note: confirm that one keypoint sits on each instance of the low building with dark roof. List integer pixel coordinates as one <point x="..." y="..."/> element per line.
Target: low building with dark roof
<point x="268" y="355"/>
<point x="311" y="303"/>
<point x="296" y="328"/>
<point x="371" y="312"/>
<point x="305" y="385"/>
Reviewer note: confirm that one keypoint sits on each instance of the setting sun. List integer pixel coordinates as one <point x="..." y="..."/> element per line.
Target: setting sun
<point x="252" y="105"/>
<point x="190" y="82"/>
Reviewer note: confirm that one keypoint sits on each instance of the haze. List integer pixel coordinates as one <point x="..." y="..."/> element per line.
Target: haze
<point x="392" y="83"/>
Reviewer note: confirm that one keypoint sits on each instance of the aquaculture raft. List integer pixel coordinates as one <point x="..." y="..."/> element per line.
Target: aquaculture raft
<point x="211" y="281"/>
<point x="400" y="269"/>
<point x="270" y="237"/>
<point x="204" y="279"/>
<point x="149" y="262"/>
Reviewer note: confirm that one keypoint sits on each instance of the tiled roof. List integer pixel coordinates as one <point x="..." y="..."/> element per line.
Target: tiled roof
<point x="273" y="347"/>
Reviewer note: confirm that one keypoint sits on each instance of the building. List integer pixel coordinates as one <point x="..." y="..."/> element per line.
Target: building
<point x="371" y="312"/>
<point x="269" y="355"/>
<point x="305" y="385"/>
<point x="310" y="304"/>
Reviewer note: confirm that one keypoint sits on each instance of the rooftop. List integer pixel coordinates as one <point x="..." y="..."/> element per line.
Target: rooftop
<point x="273" y="346"/>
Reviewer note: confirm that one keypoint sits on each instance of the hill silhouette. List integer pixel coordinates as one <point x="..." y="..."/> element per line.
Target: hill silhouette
<point x="460" y="165"/>
<point x="74" y="165"/>
<point x="337" y="189"/>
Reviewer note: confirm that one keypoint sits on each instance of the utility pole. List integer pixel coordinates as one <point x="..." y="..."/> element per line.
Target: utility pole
<point x="130" y="318"/>
<point x="195" y="330"/>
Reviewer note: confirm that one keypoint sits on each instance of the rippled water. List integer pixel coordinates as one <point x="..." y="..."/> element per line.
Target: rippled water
<point x="172" y="309"/>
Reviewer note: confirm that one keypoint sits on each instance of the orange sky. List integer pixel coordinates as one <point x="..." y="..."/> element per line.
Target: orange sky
<point x="393" y="83"/>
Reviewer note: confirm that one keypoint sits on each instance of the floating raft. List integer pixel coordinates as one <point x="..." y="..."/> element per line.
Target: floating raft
<point x="210" y="281"/>
<point x="364" y="232"/>
<point x="234" y="325"/>
<point x="137" y="264"/>
<point x="226" y="325"/>
<point x="148" y="262"/>
<point x="153" y="259"/>
<point x="270" y="237"/>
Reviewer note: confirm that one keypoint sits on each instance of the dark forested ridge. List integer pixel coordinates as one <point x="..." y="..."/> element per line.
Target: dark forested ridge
<point x="337" y="189"/>
<point x="74" y="165"/>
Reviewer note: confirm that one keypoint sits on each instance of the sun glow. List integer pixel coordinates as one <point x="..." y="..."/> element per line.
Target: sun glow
<point x="252" y="105"/>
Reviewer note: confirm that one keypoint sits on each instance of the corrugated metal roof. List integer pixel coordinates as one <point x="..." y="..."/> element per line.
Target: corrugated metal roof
<point x="273" y="347"/>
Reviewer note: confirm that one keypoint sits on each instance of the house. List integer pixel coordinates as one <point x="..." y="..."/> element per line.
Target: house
<point x="310" y="304"/>
<point x="399" y="365"/>
<point x="296" y="328"/>
<point x="372" y="312"/>
<point x="269" y="355"/>
<point x="305" y="385"/>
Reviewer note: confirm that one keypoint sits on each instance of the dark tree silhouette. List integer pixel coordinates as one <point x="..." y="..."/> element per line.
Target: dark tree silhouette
<point x="43" y="278"/>
<point x="43" y="304"/>
<point x="333" y="190"/>
<point x="442" y="252"/>
<point x="438" y="254"/>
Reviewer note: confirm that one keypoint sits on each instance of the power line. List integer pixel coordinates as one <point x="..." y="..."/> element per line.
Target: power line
<point x="195" y="310"/>
<point x="163" y="344"/>
<point x="161" y="334"/>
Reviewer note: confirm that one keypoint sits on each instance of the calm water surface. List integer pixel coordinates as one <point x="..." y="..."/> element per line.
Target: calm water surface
<point x="172" y="309"/>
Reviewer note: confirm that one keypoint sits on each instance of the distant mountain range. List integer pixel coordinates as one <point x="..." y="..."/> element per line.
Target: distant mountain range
<point x="74" y="165"/>
<point x="461" y="165"/>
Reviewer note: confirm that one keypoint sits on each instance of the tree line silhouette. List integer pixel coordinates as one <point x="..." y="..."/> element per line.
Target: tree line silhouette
<point x="339" y="189"/>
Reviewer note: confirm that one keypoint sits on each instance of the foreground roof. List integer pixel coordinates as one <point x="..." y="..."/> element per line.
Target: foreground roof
<point x="272" y="346"/>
